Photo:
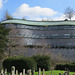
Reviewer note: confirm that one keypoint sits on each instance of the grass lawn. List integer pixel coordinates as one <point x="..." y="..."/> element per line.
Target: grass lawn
<point x="55" y="72"/>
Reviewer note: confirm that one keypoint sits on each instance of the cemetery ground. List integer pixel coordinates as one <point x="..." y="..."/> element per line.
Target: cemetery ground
<point x="32" y="72"/>
<point x="54" y="72"/>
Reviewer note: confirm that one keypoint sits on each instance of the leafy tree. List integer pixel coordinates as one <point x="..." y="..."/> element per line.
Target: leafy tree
<point x="3" y="39"/>
<point x="69" y="13"/>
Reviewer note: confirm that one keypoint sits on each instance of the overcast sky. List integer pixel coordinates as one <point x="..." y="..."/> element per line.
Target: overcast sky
<point x="36" y="9"/>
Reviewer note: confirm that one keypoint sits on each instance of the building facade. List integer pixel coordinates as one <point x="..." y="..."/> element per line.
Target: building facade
<point x="59" y="35"/>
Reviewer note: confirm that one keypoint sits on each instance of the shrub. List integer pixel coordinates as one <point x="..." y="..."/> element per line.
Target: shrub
<point x="70" y="66"/>
<point x="43" y="61"/>
<point x="19" y="63"/>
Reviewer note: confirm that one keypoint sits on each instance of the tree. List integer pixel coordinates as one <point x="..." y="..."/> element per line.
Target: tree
<point x="13" y="40"/>
<point x="7" y="16"/>
<point x="3" y="39"/>
<point x="69" y="13"/>
<point x="14" y="44"/>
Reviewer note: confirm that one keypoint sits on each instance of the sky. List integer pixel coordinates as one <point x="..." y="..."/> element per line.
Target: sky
<point x="36" y="9"/>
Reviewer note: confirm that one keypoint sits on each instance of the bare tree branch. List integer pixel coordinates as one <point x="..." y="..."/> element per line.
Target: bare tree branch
<point x="69" y="13"/>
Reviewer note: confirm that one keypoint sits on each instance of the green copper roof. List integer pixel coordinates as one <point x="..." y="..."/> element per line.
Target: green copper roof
<point x="38" y="23"/>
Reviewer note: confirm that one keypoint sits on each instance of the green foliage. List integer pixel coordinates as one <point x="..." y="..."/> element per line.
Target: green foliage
<point x="3" y="33"/>
<point x="20" y="63"/>
<point x="69" y="66"/>
<point x="43" y="61"/>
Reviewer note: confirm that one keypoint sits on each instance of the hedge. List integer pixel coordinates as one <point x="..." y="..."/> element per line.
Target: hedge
<point x="43" y="61"/>
<point x="70" y="67"/>
<point x="20" y="63"/>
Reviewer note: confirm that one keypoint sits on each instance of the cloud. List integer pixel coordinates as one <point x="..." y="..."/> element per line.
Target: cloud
<point x="61" y="17"/>
<point x="33" y="12"/>
<point x="38" y="13"/>
<point x="55" y="18"/>
<point x="39" y="18"/>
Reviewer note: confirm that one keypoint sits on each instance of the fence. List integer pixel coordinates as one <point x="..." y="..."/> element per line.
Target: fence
<point x="29" y="72"/>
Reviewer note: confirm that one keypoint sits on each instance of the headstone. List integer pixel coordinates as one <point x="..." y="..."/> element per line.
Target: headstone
<point x="39" y="71"/>
<point x="23" y="71"/>
<point x="43" y="72"/>
<point x="29" y="71"/>
<point x="2" y="72"/>
<point x="13" y="70"/>
<point x="5" y="72"/>
<point x="16" y="72"/>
